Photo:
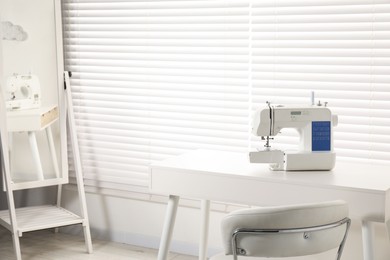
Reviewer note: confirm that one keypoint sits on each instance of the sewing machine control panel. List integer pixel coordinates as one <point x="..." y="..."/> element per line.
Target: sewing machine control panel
<point x="321" y="136"/>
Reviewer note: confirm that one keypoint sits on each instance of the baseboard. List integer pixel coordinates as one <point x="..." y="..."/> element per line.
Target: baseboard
<point x="140" y="240"/>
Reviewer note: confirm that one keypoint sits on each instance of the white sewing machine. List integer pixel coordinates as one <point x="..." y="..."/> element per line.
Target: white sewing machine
<point x="314" y="124"/>
<point x="23" y="92"/>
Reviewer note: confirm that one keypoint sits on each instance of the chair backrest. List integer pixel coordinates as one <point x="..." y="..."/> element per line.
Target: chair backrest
<point x="285" y="231"/>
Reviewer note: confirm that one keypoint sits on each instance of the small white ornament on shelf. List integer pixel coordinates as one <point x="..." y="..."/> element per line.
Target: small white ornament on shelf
<point x="13" y="32"/>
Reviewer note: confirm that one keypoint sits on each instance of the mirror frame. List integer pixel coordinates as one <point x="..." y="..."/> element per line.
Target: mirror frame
<point x="62" y="108"/>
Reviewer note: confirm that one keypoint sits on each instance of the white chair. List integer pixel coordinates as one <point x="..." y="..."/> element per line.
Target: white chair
<point x="286" y="231"/>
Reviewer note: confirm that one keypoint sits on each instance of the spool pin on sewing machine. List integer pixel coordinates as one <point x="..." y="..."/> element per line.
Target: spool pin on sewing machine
<point x="23" y="92"/>
<point x="314" y="124"/>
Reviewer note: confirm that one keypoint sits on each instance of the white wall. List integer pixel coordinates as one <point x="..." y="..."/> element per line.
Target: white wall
<point x="37" y="54"/>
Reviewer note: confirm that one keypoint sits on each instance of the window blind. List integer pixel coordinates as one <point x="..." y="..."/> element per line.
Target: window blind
<point x="340" y="50"/>
<point x="156" y="78"/>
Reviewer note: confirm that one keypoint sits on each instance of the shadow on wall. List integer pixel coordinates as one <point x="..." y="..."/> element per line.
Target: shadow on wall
<point x="31" y="197"/>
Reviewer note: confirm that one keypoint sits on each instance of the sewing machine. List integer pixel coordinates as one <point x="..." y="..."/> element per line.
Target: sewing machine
<point x="23" y="92"/>
<point x="314" y="124"/>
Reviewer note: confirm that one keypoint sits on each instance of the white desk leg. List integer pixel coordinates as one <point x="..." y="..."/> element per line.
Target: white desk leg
<point x="169" y="223"/>
<point x="368" y="238"/>
<point x="52" y="150"/>
<point x="35" y="153"/>
<point x="204" y="231"/>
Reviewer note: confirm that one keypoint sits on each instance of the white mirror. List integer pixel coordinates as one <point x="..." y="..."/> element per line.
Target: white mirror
<point x="32" y="88"/>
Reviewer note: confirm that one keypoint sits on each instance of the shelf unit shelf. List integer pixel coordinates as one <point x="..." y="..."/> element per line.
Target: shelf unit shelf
<point x="40" y="217"/>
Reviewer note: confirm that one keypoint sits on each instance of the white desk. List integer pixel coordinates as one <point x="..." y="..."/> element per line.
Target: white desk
<point x="30" y="121"/>
<point x="229" y="177"/>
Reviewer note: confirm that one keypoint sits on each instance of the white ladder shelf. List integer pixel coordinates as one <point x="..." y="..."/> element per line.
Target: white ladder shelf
<point x="26" y="219"/>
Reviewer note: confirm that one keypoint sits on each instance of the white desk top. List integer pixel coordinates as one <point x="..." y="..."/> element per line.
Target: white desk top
<point x="230" y="177"/>
<point x="371" y="178"/>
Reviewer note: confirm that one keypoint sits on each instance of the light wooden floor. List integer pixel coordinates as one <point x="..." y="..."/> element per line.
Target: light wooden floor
<point x="45" y="245"/>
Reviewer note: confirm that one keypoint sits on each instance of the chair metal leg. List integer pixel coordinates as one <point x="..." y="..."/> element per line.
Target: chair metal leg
<point x="341" y="247"/>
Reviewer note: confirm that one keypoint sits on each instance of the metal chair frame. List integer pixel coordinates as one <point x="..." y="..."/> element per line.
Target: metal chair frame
<point x="240" y="251"/>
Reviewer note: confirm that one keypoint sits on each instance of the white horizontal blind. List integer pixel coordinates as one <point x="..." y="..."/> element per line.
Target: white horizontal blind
<point x="339" y="49"/>
<point x="154" y="79"/>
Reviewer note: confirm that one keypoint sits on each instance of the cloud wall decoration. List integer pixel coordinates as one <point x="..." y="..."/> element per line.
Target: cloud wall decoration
<point x="13" y="32"/>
